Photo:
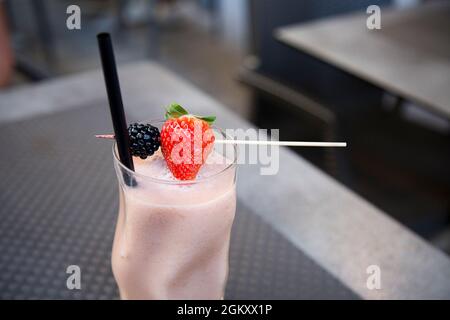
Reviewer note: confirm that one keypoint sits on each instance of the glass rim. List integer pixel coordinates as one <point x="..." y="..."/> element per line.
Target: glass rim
<point x="176" y="182"/>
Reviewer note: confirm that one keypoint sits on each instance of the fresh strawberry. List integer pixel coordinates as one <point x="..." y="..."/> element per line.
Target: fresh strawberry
<point x="186" y="141"/>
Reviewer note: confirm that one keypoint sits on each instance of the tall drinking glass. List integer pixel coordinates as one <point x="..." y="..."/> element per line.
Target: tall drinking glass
<point x="172" y="237"/>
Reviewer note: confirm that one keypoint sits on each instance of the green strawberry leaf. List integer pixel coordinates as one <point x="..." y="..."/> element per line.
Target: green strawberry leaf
<point x="175" y="111"/>
<point x="209" y="119"/>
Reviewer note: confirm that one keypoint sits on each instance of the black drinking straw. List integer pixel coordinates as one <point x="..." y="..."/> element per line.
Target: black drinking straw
<point x="115" y="101"/>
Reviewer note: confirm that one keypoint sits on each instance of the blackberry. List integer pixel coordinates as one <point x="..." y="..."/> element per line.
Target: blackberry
<point x="144" y="139"/>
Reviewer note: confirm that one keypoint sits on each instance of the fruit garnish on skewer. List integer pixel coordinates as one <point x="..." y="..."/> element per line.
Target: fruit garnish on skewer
<point x="186" y="141"/>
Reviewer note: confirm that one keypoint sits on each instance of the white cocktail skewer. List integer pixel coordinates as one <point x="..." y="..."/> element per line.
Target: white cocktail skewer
<point x="284" y="143"/>
<point x="264" y="142"/>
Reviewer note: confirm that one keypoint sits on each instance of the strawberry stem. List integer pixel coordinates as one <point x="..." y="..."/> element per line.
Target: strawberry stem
<point x="176" y="111"/>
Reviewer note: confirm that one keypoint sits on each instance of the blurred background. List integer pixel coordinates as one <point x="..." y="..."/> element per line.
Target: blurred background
<point x="398" y="156"/>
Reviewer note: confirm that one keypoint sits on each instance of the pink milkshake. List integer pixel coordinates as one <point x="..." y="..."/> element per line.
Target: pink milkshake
<point x="172" y="237"/>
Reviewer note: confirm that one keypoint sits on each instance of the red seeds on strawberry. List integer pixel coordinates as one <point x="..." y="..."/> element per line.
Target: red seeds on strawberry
<point x="186" y="142"/>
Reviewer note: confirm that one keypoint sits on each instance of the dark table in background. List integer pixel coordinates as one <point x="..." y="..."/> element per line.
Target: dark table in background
<point x="408" y="57"/>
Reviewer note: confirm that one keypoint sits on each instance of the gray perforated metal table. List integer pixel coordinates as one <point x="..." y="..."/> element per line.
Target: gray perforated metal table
<point x="299" y="234"/>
